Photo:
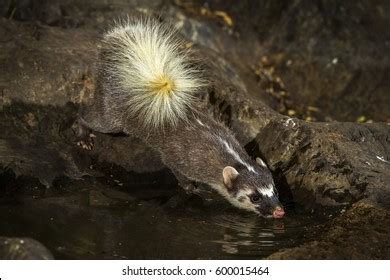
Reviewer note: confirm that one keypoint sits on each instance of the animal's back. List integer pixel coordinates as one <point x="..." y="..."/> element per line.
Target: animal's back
<point x="146" y="88"/>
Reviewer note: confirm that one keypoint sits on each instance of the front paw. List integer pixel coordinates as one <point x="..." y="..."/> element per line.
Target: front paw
<point x="87" y="142"/>
<point x="190" y="188"/>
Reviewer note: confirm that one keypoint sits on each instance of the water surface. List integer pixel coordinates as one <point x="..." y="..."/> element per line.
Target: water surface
<point x="95" y="220"/>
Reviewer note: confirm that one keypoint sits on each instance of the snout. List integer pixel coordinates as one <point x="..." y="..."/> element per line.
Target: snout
<point x="278" y="212"/>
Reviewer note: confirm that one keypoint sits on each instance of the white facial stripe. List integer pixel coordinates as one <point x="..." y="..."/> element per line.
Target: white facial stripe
<point x="269" y="192"/>
<point x="236" y="155"/>
<point x="246" y="204"/>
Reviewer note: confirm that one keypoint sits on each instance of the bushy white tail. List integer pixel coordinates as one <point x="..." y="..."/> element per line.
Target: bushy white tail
<point x="153" y="68"/>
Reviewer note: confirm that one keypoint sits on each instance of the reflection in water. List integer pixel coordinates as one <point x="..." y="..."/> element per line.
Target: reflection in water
<point x="247" y="233"/>
<point x="76" y="226"/>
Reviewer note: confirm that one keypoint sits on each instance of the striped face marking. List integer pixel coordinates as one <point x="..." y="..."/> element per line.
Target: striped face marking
<point x="267" y="191"/>
<point x="241" y="200"/>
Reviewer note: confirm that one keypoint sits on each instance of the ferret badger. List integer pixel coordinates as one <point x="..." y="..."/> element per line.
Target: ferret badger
<point x="146" y="87"/>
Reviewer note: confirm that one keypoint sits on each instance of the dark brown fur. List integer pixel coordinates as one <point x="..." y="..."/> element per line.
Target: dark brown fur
<point x="193" y="149"/>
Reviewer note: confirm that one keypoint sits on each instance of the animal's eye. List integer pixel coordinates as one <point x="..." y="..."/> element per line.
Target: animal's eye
<point x="255" y="198"/>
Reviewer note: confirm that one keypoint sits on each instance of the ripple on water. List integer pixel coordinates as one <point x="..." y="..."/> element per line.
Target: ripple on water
<point x="150" y="230"/>
<point x="227" y="233"/>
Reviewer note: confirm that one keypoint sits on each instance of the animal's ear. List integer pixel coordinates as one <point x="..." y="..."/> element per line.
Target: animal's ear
<point x="229" y="175"/>
<point x="260" y="162"/>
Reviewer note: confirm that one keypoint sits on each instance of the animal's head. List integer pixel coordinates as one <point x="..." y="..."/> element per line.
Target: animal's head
<point x="252" y="189"/>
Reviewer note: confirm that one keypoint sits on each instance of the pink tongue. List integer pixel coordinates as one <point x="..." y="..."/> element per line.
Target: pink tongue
<point x="278" y="213"/>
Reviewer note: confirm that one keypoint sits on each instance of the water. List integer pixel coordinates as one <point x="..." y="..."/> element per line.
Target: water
<point x="93" y="220"/>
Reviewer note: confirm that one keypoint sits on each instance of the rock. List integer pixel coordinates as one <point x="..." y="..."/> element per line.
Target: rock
<point x="23" y="249"/>
<point x="327" y="55"/>
<point x="360" y="233"/>
<point x="339" y="163"/>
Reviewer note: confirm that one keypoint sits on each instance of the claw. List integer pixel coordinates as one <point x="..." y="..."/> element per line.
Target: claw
<point x="87" y="143"/>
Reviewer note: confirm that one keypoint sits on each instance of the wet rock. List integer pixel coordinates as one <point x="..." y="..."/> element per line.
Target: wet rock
<point x="360" y="233"/>
<point x="339" y="163"/>
<point x="333" y="56"/>
<point x="23" y="249"/>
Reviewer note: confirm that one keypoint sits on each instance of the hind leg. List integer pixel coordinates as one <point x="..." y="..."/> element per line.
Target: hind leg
<point x="191" y="192"/>
<point x="84" y="135"/>
<point x="92" y="118"/>
<point x="186" y="184"/>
